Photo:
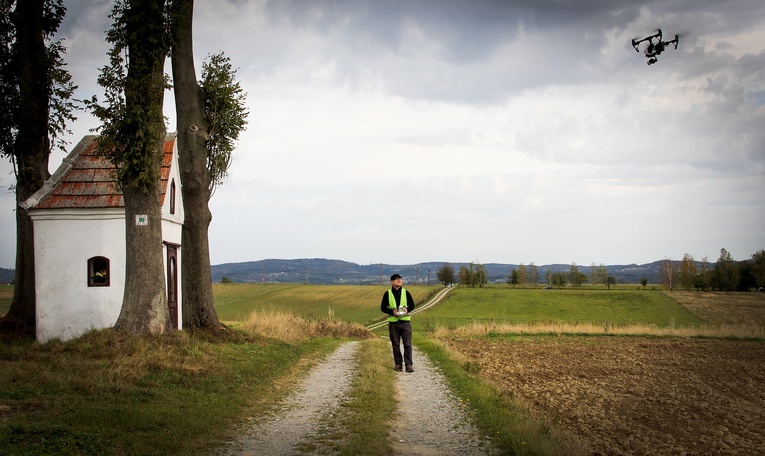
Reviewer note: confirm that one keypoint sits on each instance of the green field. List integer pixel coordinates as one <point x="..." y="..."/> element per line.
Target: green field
<point x="6" y="296"/>
<point x="360" y="304"/>
<point x="499" y="304"/>
<point x="354" y="303"/>
<point x="572" y="306"/>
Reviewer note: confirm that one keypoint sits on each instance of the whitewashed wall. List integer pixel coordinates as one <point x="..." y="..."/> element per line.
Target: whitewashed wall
<point x="64" y="241"/>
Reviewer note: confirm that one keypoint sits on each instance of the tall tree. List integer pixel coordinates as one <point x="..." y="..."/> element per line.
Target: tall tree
<point x="522" y="275"/>
<point x="533" y="274"/>
<point x="687" y="272"/>
<point x="759" y="267"/>
<point x="35" y="92"/>
<point x="445" y="274"/>
<point x="726" y="273"/>
<point x="668" y="273"/>
<point x="513" y="278"/>
<point x="133" y="134"/>
<point x="603" y="274"/>
<point x="594" y="274"/>
<point x="575" y="277"/>
<point x="210" y="117"/>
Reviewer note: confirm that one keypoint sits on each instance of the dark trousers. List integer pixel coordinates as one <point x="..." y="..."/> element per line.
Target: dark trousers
<point x="401" y="331"/>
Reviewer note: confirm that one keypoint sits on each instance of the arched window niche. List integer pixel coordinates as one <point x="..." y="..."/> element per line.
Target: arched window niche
<point x="172" y="196"/>
<point x="98" y="272"/>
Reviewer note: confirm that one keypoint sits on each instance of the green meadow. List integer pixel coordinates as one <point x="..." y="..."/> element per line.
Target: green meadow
<point x="626" y="306"/>
<point x="619" y="307"/>
<point x="622" y="306"/>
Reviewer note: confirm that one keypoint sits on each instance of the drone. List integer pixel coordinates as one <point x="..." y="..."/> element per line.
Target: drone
<point x="654" y="49"/>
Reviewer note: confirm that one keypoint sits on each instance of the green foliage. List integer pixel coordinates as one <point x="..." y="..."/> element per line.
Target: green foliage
<point x="575" y="277"/>
<point x="132" y="119"/>
<point x="473" y="275"/>
<point x="726" y="273"/>
<point x="759" y="267"/>
<point x="9" y="86"/>
<point x="60" y="86"/>
<point x="513" y="279"/>
<point x="445" y="275"/>
<point x="559" y="279"/>
<point x="225" y="279"/>
<point x="226" y="112"/>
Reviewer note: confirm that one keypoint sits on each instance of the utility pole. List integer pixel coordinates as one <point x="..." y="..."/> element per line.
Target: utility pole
<point x="380" y="273"/>
<point x="417" y="276"/>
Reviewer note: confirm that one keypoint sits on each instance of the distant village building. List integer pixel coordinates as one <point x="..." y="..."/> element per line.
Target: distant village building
<point x="79" y="235"/>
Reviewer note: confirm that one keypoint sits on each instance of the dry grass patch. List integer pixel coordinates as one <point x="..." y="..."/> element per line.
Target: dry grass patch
<point x="716" y="330"/>
<point x="290" y="328"/>
<point x="724" y="308"/>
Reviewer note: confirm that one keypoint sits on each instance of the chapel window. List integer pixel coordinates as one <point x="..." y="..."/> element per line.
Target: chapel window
<point x="172" y="196"/>
<point x="98" y="272"/>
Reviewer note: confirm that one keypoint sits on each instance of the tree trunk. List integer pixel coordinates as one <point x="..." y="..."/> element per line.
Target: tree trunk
<point x="193" y="126"/>
<point x="31" y="149"/>
<point x="144" y="306"/>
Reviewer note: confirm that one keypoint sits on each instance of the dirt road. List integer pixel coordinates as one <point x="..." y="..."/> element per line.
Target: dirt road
<point x="429" y="419"/>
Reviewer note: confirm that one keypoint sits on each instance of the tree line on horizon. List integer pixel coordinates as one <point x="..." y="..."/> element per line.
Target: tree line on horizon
<point x="726" y="274"/>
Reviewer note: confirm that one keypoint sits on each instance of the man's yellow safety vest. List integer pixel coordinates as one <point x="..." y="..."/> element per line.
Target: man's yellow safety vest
<point x="392" y="305"/>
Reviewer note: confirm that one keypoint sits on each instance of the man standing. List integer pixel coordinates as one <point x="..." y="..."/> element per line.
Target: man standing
<point x="397" y="303"/>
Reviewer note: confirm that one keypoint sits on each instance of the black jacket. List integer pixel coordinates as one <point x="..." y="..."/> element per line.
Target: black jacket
<point x="397" y="296"/>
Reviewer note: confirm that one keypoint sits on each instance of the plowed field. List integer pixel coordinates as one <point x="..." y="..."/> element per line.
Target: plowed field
<point x="635" y="395"/>
<point x="642" y="395"/>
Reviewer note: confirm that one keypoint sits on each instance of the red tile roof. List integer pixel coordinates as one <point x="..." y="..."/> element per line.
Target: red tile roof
<point x="86" y="180"/>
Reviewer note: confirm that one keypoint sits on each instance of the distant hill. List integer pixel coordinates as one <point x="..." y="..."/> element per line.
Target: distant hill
<point x="320" y="271"/>
<point x="7" y="275"/>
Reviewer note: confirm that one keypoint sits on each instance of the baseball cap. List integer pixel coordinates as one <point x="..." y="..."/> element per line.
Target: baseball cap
<point x="395" y="276"/>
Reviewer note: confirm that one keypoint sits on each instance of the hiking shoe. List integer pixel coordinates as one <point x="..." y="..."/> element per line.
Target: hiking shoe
<point x="397" y="368"/>
<point x="409" y="368"/>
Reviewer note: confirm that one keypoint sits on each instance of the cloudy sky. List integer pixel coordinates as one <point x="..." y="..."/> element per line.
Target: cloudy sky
<point x="492" y="131"/>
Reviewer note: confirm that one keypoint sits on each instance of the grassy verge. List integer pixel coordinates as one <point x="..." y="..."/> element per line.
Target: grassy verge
<point x="509" y="425"/>
<point x="108" y="393"/>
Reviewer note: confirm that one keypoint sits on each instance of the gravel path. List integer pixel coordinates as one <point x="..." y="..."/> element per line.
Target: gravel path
<point x="302" y="415"/>
<point x="430" y="420"/>
<point x="433" y="420"/>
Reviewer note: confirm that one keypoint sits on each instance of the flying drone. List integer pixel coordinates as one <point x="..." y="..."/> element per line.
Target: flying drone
<point x="655" y="48"/>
